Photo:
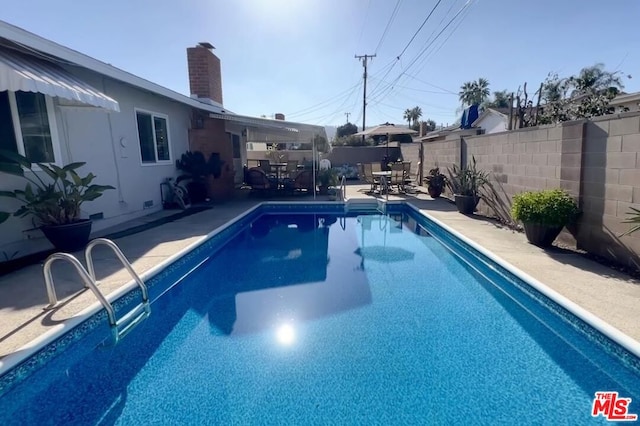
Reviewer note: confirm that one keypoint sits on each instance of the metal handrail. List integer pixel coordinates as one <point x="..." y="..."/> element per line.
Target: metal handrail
<point x="121" y="257"/>
<point x="343" y="188"/>
<point x="89" y="282"/>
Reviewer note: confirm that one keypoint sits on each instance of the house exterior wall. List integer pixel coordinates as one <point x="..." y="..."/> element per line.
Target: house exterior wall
<point x="108" y="143"/>
<point x="493" y="123"/>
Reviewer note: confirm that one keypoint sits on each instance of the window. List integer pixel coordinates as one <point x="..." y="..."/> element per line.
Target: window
<point x="32" y="132"/>
<point x="153" y="133"/>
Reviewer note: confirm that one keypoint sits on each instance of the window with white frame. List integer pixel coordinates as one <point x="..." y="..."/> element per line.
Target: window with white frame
<point x="153" y="134"/>
<point x="31" y="129"/>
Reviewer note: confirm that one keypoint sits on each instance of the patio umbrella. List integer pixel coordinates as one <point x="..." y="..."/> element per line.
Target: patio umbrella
<point x="387" y="129"/>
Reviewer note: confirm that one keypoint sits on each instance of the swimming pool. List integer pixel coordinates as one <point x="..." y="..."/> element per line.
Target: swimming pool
<point x="307" y="314"/>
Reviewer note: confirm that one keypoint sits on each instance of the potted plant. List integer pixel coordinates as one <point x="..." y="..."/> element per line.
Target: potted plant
<point x="465" y="184"/>
<point x="197" y="169"/>
<point x="54" y="201"/>
<point x="435" y="182"/>
<point x="326" y="178"/>
<point x="544" y="214"/>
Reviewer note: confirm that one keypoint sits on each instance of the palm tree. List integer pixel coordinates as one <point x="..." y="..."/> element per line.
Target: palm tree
<point x="474" y="92"/>
<point x="501" y="99"/>
<point x="595" y="79"/>
<point x="408" y="115"/>
<point x="416" y="113"/>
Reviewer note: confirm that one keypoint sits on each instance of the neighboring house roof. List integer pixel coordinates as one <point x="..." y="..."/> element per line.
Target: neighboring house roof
<point x="626" y="98"/>
<point x="51" y="51"/>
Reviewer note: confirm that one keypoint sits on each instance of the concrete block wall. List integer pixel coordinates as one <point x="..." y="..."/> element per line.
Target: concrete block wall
<point x="610" y="186"/>
<point x="443" y="154"/>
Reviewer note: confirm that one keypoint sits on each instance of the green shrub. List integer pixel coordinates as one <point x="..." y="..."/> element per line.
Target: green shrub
<point x="552" y="207"/>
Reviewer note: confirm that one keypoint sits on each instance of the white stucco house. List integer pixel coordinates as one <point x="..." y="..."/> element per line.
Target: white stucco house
<point x="60" y="106"/>
<point x="492" y="121"/>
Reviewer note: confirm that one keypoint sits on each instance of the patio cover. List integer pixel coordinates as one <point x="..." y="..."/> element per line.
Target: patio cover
<point x="254" y="121"/>
<point x="28" y="74"/>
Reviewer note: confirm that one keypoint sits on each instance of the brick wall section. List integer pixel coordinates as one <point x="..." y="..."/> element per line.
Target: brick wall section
<point x="205" y="77"/>
<point x="212" y="138"/>
<point x="610" y="185"/>
<point x="442" y="154"/>
<point x="411" y="152"/>
<point x="596" y="161"/>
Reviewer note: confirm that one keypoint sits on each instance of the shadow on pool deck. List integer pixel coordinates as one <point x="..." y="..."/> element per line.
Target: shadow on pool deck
<point x="610" y="295"/>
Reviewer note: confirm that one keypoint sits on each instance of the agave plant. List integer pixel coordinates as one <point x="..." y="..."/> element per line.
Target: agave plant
<point x="634" y="217"/>
<point x="467" y="180"/>
<point x="55" y="200"/>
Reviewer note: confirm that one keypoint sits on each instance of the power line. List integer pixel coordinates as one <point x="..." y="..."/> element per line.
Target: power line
<point x="389" y="22"/>
<point x="408" y="44"/>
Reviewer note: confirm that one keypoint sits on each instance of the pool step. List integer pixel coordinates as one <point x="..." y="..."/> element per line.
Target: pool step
<point x="361" y="205"/>
<point x="130" y="320"/>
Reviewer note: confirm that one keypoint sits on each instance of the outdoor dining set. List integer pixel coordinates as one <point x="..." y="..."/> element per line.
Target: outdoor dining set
<point x="269" y="176"/>
<point x="397" y="175"/>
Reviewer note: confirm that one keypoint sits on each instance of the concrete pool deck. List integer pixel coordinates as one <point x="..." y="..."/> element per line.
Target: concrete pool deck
<point x="612" y="296"/>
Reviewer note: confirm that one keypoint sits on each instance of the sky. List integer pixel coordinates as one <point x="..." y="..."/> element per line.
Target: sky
<point x="296" y="57"/>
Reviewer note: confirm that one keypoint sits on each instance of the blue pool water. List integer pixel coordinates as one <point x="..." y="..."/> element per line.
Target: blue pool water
<point x="316" y="319"/>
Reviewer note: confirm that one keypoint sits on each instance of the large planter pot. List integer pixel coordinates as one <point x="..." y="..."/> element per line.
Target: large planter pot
<point x="466" y="204"/>
<point x="541" y="235"/>
<point x="197" y="191"/>
<point x="69" y="237"/>
<point x="434" y="191"/>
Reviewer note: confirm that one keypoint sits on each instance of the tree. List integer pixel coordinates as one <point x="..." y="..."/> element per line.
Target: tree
<point x="474" y="92"/>
<point x="352" y="140"/>
<point x="584" y="95"/>
<point x="500" y="100"/>
<point x="416" y="113"/>
<point x="322" y="145"/>
<point x="346" y="130"/>
<point x="431" y="125"/>
<point x="408" y="115"/>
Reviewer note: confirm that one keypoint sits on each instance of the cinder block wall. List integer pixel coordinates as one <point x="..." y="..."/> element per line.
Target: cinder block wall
<point x="443" y="154"/>
<point x="597" y="161"/>
<point x="610" y="186"/>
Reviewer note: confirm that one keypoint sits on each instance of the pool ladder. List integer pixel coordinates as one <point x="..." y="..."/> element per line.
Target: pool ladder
<point x="119" y="327"/>
<point x="343" y="189"/>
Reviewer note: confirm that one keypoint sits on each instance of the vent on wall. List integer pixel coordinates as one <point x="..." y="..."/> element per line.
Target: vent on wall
<point x="147" y="204"/>
<point x="96" y="216"/>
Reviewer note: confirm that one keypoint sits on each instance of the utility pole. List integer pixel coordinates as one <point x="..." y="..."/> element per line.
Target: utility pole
<point x="364" y="59"/>
<point x="347" y="114"/>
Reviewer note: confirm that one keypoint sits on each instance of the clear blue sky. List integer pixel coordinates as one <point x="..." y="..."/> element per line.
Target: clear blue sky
<point x="291" y="55"/>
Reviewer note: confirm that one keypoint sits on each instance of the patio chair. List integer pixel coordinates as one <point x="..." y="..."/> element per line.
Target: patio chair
<point x="409" y="181"/>
<point x="397" y="176"/>
<point x="291" y="169"/>
<point x="303" y="180"/>
<point x="265" y="165"/>
<point x="258" y="180"/>
<point x="367" y="176"/>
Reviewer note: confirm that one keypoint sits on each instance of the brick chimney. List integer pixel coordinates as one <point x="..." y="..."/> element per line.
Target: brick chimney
<point x="205" y="78"/>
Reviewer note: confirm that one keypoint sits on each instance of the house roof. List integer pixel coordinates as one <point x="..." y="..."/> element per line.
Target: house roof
<point x="54" y="52"/>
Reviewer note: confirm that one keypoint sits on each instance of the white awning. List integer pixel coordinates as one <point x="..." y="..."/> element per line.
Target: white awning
<point x="28" y="74"/>
<point x="255" y="121"/>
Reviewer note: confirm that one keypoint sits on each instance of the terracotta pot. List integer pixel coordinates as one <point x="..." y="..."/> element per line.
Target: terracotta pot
<point x="69" y="237"/>
<point x="541" y="235"/>
<point x="466" y="204"/>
